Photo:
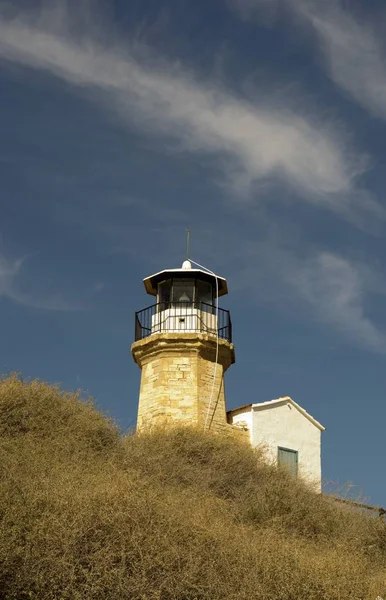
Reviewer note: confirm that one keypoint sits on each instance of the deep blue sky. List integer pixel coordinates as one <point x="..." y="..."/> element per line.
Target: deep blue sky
<point x="258" y="124"/>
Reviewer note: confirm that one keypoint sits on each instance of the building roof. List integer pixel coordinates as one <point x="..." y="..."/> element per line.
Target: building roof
<point x="242" y="407"/>
<point x="278" y="402"/>
<point x="152" y="281"/>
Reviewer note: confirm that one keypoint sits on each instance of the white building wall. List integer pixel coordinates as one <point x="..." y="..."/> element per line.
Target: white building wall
<point x="283" y="425"/>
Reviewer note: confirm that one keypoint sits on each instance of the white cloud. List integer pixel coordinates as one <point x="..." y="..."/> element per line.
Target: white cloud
<point x="336" y="290"/>
<point x="99" y="287"/>
<point x="9" y="270"/>
<point x="354" y="53"/>
<point x="353" y="50"/>
<point x="257" y="141"/>
<point x="11" y="287"/>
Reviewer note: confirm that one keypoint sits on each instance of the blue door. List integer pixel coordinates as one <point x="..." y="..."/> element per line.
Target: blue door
<point x="289" y="459"/>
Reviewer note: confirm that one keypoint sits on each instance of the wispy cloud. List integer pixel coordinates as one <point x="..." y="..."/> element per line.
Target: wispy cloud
<point x="252" y="141"/>
<point x="11" y="286"/>
<point x="9" y="270"/>
<point x="327" y="287"/>
<point x="354" y="51"/>
<point x="336" y="290"/>
<point x="99" y="287"/>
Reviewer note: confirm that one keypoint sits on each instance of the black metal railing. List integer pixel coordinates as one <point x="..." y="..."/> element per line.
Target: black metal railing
<point x="167" y="317"/>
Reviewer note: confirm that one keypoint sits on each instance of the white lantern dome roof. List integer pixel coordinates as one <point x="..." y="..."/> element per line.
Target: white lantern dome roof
<point x="185" y="272"/>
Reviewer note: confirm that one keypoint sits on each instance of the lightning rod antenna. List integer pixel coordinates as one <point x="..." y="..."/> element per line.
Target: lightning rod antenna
<point x="187" y="243"/>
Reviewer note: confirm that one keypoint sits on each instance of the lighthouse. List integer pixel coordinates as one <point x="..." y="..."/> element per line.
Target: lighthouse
<point x="183" y="346"/>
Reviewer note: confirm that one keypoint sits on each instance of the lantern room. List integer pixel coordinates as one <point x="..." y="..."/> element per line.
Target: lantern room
<point x="186" y="301"/>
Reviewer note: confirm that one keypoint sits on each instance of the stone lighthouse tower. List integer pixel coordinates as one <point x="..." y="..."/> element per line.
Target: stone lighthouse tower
<point x="183" y="346"/>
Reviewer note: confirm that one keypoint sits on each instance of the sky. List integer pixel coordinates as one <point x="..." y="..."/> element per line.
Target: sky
<point x="258" y="124"/>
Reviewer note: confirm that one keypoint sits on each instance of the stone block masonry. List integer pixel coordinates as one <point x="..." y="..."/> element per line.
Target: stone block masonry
<point x="179" y="372"/>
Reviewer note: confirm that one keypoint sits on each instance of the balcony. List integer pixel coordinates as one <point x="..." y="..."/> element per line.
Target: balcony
<point x="183" y="317"/>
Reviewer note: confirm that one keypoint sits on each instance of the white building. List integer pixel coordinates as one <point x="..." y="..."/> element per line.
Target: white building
<point x="292" y="437"/>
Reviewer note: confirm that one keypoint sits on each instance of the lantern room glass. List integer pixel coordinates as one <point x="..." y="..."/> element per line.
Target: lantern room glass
<point x="183" y="291"/>
<point x="164" y="294"/>
<point x="186" y="291"/>
<point x="204" y="292"/>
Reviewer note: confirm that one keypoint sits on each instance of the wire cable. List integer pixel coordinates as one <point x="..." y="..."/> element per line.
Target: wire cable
<point x="217" y="340"/>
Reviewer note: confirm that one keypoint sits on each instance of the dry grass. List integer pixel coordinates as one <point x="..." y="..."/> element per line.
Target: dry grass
<point x="171" y="515"/>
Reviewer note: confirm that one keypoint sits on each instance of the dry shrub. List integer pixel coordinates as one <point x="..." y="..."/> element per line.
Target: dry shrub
<point x="169" y="515"/>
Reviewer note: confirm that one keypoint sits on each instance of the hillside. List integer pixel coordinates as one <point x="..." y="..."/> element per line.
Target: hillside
<point x="172" y="515"/>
